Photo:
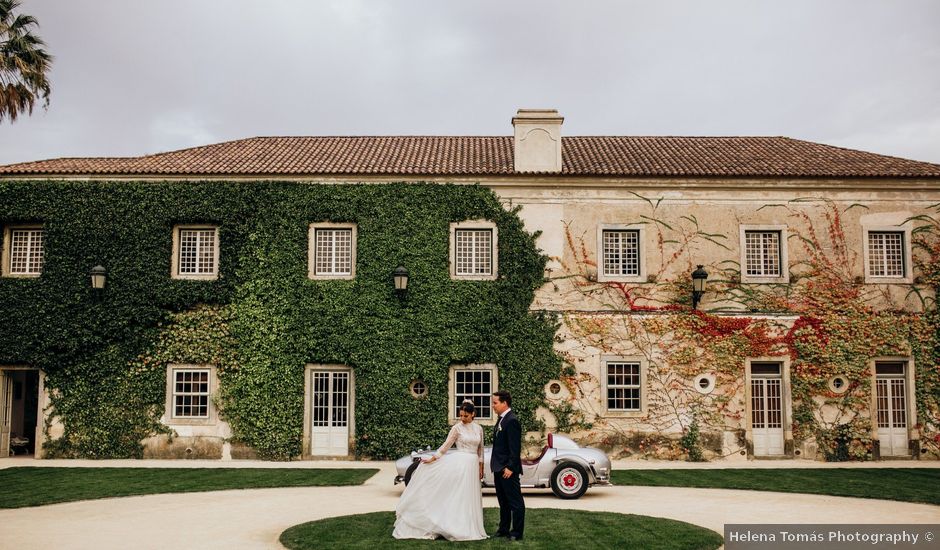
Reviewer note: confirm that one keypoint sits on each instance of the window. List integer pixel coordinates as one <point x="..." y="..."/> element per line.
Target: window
<point x="418" y="389"/>
<point x="473" y="246"/>
<point x="189" y="394"/>
<point x="23" y="252"/>
<point x="476" y="383"/>
<point x="195" y="252"/>
<point x="624" y="381"/>
<point x="621" y="253"/>
<point x="764" y="254"/>
<point x="886" y="254"/>
<point x="332" y="253"/>
<point x="474" y="251"/>
<point x="623" y="385"/>
<point x="762" y="251"/>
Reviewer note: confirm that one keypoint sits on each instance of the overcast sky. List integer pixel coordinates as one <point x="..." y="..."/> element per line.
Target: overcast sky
<point x="134" y="77"/>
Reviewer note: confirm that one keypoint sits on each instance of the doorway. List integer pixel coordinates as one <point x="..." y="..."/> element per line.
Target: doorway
<point x="330" y="410"/>
<point x="892" y="408"/>
<point x="19" y="412"/>
<point x="767" y="408"/>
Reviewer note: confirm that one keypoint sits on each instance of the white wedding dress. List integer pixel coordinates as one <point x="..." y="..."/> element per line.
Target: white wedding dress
<point x="444" y="497"/>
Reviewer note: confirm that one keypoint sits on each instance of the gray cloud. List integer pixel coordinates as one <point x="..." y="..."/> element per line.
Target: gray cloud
<point x="136" y="77"/>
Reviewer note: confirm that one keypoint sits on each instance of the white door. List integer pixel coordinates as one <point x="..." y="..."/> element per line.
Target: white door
<point x="329" y="431"/>
<point x="767" y="416"/>
<point x="892" y="415"/>
<point x="6" y="412"/>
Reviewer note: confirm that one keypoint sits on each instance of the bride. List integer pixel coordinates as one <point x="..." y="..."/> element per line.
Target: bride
<point x="444" y="497"/>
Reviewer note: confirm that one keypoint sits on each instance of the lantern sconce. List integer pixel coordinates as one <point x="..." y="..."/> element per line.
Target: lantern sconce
<point x="400" y="276"/>
<point x="99" y="276"/>
<point x="699" y="277"/>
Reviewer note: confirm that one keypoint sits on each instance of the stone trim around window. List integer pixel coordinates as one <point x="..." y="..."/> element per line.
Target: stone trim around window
<point x="452" y="403"/>
<point x="494" y="250"/>
<point x="175" y="260"/>
<point x="783" y="259"/>
<point x="641" y="275"/>
<point x="6" y="257"/>
<point x="312" y="272"/>
<point x="643" y="386"/>
<point x="905" y="233"/>
<point x="169" y="416"/>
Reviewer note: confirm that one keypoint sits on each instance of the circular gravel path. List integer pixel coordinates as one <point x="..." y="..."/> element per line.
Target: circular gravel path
<point x="255" y="518"/>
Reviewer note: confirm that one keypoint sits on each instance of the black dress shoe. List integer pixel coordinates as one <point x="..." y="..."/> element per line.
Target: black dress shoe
<point x="499" y="534"/>
<point x="514" y="538"/>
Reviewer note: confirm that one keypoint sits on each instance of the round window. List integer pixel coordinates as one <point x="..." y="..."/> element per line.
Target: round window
<point x="555" y="390"/>
<point x="418" y="388"/>
<point x="838" y="384"/>
<point x="704" y="383"/>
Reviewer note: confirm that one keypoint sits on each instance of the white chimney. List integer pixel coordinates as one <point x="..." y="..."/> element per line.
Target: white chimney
<point x="537" y="140"/>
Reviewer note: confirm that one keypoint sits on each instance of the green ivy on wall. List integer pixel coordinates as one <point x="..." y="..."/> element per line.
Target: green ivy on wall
<point x="263" y="320"/>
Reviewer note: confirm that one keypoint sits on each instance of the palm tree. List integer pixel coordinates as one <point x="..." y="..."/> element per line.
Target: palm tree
<point x="23" y="63"/>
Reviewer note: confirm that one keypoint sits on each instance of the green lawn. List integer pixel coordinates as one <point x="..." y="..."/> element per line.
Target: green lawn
<point x="907" y="484"/>
<point x="32" y="486"/>
<point x="544" y="528"/>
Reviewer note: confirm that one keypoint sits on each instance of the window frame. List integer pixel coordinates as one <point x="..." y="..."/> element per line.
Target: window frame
<point x="494" y="249"/>
<point x="452" y="390"/>
<point x="312" y="253"/>
<point x="603" y="276"/>
<point x="177" y="249"/>
<point x="784" y="257"/>
<point x="7" y="253"/>
<point x="170" y="418"/>
<point x="643" y="386"/>
<point x="905" y="232"/>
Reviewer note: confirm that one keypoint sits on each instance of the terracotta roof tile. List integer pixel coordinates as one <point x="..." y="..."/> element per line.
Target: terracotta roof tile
<point x="610" y="156"/>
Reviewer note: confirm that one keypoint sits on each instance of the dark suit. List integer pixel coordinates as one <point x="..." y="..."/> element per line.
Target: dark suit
<point x="507" y="446"/>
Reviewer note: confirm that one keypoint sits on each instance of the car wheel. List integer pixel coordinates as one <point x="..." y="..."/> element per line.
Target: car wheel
<point x="569" y="481"/>
<point x="411" y="470"/>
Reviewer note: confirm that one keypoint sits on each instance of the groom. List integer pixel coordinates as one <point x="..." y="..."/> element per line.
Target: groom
<point x="507" y="466"/>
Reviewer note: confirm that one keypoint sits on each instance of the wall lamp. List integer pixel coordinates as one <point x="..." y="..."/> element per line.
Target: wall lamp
<point x="99" y="276"/>
<point x="698" y="285"/>
<point x="400" y="276"/>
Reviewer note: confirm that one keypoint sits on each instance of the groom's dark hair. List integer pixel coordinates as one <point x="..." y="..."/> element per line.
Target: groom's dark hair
<point x="504" y="397"/>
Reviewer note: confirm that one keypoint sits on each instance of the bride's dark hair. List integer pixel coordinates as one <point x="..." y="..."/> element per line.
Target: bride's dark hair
<point x="467" y="406"/>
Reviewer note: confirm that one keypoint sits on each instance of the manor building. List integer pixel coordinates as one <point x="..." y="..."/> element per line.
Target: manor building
<point x="795" y="239"/>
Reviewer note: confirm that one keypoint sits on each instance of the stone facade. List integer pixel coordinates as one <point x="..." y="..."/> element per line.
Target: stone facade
<point x="679" y="222"/>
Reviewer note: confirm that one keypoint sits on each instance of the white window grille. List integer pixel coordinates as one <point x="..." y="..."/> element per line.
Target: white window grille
<point x="477" y="386"/>
<point x="26" y="251"/>
<point x="623" y="386"/>
<point x="621" y="252"/>
<point x="191" y="393"/>
<point x="474" y="251"/>
<point x="197" y="251"/>
<point x="762" y="253"/>
<point x="333" y="252"/>
<point x="886" y="254"/>
<point x="330" y="399"/>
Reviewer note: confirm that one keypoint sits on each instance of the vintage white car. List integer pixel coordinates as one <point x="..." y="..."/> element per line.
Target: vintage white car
<point x="564" y="466"/>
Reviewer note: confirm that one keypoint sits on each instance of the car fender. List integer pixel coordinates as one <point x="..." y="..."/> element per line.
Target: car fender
<point x="564" y="458"/>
